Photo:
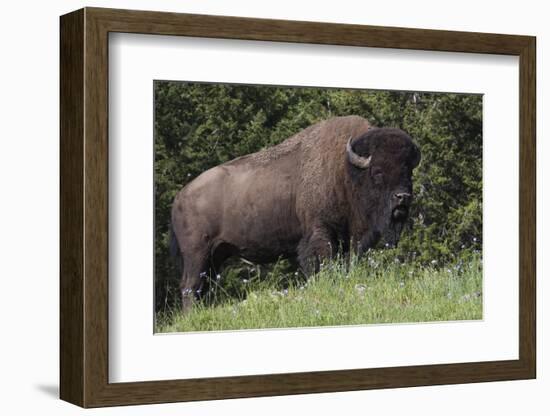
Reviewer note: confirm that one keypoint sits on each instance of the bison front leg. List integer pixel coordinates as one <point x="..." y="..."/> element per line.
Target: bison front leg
<point x="314" y="249"/>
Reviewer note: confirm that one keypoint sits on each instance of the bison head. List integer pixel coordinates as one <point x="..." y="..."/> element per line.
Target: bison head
<point x="380" y="164"/>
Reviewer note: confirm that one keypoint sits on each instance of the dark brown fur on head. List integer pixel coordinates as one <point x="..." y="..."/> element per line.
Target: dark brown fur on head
<point x="383" y="189"/>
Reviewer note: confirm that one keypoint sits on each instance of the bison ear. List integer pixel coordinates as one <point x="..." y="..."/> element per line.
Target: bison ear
<point x="416" y="156"/>
<point x="360" y="162"/>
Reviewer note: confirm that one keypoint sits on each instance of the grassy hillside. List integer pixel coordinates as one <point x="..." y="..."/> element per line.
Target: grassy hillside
<point x="377" y="289"/>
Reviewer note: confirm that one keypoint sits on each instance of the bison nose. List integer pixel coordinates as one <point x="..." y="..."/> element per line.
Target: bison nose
<point x="403" y="198"/>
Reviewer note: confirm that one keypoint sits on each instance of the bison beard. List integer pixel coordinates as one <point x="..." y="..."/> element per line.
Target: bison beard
<point x="386" y="227"/>
<point x="337" y="182"/>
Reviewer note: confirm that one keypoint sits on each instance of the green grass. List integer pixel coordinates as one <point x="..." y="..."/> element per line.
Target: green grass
<point x="373" y="291"/>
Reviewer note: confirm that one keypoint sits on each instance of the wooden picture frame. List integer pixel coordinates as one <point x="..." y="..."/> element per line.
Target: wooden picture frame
<point x="84" y="207"/>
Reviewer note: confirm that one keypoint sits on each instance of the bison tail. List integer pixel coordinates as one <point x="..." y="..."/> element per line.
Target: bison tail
<point x="175" y="251"/>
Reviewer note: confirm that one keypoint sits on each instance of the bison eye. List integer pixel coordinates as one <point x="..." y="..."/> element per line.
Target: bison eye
<point x="377" y="176"/>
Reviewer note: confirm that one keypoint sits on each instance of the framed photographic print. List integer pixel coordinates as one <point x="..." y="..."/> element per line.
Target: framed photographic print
<point x="255" y="207"/>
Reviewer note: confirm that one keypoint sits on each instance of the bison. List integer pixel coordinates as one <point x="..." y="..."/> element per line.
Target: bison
<point x="339" y="184"/>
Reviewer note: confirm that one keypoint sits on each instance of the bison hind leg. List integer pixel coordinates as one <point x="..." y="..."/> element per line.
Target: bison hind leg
<point x="202" y="269"/>
<point x="194" y="277"/>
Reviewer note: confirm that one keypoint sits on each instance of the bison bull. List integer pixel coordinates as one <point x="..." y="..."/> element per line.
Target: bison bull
<point x="336" y="183"/>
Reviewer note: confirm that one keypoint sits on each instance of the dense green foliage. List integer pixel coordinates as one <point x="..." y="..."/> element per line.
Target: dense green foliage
<point x="198" y="126"/>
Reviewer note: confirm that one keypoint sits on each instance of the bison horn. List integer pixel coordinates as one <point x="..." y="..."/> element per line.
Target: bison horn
<point x="356" y="160"/>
